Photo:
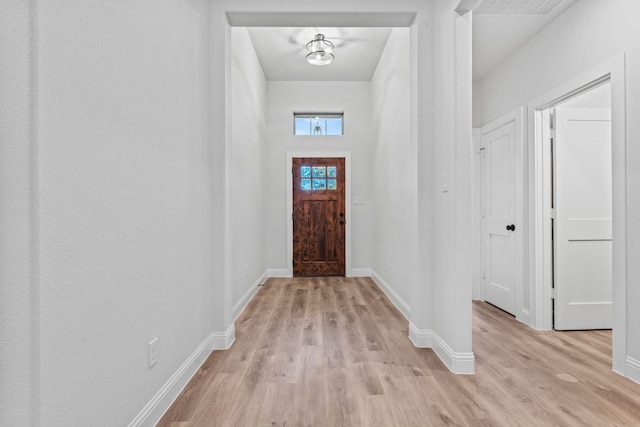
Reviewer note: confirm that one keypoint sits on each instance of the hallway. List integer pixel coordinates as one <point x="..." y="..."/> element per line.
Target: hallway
<point x="334" y="351"/>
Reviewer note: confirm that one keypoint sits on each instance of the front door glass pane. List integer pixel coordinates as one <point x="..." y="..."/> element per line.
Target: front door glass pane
<point x="316" y="178"/>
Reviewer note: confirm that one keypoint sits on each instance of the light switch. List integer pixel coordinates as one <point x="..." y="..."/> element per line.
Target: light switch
<point x="358" y="200"/>
<point x="445" y="183"/>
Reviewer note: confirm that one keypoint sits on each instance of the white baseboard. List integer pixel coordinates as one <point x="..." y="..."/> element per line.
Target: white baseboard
<point x="248" y="296"/>
<point x="421" y="338"/>
<point x="458" y="363"/>
<point x="400" y="304"/>
<point x="360" y="272"/>
<point x="278" y="272"/>
<point x="223" y="340"/>
<point x="160" y="403"/>
<point x="632" y="370"/>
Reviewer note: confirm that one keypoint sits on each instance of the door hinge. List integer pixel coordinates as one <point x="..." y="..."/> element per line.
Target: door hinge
<point x="552" y="213"/>
<point x="554" y="293"/>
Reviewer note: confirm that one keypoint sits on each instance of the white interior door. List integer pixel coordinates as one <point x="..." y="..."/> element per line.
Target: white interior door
<point x="582" y="229"/>
<point x="499" y="216"/>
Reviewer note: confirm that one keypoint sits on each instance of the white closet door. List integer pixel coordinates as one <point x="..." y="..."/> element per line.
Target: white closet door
<point x="582" y="229"/>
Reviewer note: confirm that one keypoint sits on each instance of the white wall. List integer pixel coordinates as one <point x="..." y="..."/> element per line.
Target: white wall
<point x="354" y="99"/>
<point x="477" y="103"/>
<point x="587" y="34"/>
<point x="394" y="172"/>
<point x="452" y="146"/>
<point x="18" y="227"/>
<point x="124" y="195"/>
<point x="476" y="216"/>
<point x="248" y="167"/>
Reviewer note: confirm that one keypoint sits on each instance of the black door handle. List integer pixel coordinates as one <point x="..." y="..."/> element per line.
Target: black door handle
<point x="341" y="222"/>
<point x="511" y="227"/>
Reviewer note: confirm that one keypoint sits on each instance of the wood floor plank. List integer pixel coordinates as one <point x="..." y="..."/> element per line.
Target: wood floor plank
<point x="344" y="399"/>
<point x="312" y="389"/>
<point x="335" y="352"/>
<point x="279" y="406"/>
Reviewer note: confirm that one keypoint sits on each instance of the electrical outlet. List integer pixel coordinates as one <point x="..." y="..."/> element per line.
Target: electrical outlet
<point x="153" y="352"/>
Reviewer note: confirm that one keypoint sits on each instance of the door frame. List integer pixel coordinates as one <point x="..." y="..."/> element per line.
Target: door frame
<point x="517" y="117"/>
<point x="346" y="155"/>
<point x="540" y="254"/>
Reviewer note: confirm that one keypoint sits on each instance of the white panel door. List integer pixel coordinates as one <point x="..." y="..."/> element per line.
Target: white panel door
<point x="582" y="229"/>
<point x="499" y="212"/>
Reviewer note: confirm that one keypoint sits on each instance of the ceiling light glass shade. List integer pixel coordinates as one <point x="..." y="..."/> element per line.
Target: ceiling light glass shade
<point x="320" y="51"/>
<point x="320" y="58"/>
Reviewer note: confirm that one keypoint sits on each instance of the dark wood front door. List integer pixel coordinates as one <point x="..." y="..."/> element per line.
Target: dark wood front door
<point x="319" y="219"/>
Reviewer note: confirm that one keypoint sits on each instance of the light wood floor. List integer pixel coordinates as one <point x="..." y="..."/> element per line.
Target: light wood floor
<point x="331" y="352"/>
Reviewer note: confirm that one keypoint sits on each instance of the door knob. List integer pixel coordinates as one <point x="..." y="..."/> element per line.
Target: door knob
<point x="341" y="222"/>
<point x="511" y="227"/>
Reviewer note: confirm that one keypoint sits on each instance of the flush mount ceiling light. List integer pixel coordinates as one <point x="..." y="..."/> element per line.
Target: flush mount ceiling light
<point x="320" y="51"/>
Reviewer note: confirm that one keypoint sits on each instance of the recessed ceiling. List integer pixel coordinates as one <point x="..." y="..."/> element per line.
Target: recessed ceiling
<point x="281" y="52"/>
<point x="500" y="27"/>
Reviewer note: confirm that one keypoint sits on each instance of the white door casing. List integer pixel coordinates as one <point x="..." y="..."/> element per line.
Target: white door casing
<point x="583" y="226"/>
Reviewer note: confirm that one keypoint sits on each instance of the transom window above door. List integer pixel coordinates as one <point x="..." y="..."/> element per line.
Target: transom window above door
<point x="318" y="124"/>
<point x="315" y="178"/>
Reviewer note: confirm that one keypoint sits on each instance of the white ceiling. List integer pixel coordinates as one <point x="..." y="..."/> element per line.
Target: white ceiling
<point x="496" y="35"/>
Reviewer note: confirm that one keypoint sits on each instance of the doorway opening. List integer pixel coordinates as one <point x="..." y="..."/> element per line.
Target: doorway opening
<point x="578" y="141"/>
<point x="540" y="253"/>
